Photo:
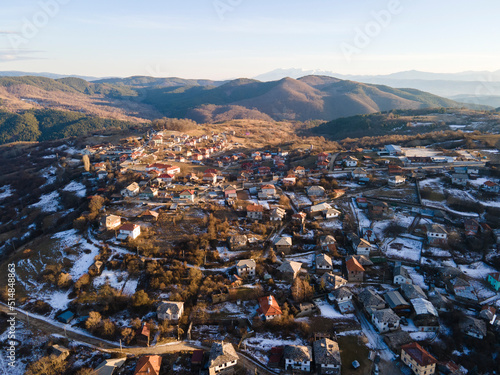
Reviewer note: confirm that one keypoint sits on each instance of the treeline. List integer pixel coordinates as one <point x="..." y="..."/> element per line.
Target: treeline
<point x="49" y="124"/>
<point x="71" y="85"/>
<point x="181" y="125"/>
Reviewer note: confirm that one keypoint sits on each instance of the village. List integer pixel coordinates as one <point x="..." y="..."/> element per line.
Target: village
<point x="275" y="260"/>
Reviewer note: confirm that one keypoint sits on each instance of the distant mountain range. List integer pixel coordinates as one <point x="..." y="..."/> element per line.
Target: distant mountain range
<point x="479" y="87"/>
<point x="15" y="73"/>
<point x="478" y="84"/>
<point x="142" y="98"/>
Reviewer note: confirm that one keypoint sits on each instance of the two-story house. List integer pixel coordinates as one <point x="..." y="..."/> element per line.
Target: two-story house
<point x="327" y="356"/>
<point x="418" y="359"/>
<point x="222" y="358"/>
<point x="298" y="357"/>
<point x="245" y="268"/>
<point x="170" y="310"/>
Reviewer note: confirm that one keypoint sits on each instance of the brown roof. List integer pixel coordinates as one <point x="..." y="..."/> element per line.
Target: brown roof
<point x="419" y="354"/>
<point x="495" y="275"/>
<point x="128" y="227"/>
<point x="148" y="365"/>
<point x="255" y="208"/>
<point x="353" y="265"/>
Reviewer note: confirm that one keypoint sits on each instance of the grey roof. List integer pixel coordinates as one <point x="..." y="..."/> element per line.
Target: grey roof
<point x="460" y="176"/>
<point x="369" y="298"/>
<point x="438" y="299"/>
<point x="474" y="325"/>
<point x="423" y="307"/>
<point x="342" y="293"/>
<point x="436" y="228"/>
<point x="386" y="316"/>
<point x="246" y="263"/>
<point x="169" y="306"/>
<point x="298" y="353"/>
<point x="362" y="259"/>
<point x="326" y="352"/>
<point x="323" y="260"/>
<point x="394" y="299"/>
<point x="221" y="353"/>
<point x="108" y="366"/>
<point x="411" y="291"/>
<point x="284" y="241"/>
<point x="401" y="271"/>
<point x="334" y="280"/>
<point x="327" y="239"/>
<point x="290" y="266"/>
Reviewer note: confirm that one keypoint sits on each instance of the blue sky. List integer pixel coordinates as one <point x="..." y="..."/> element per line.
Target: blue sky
<point x="222" y="39"/>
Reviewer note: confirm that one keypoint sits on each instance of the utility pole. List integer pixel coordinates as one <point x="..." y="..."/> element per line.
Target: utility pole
<point x="121" y="350"/>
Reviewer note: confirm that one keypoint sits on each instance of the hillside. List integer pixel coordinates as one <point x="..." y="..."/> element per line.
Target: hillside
<point x="311" y="97"/>
<point x="408" y="122"/>
<point x="138" y="99"/>
<point x="48" y="124"/>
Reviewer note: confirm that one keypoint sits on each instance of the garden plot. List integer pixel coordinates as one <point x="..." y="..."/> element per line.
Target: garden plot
<point x="305" y="258"/>
<point x="117" y="280"/>
<point x="331" y="224"/>
<point x="328" y="311"/>
<point x="403" y="248"/>
<point x="226" y="255"/>
<point x="260" y="345"/>
<point x="433" y="183"/>
<point x="231" y="310"/>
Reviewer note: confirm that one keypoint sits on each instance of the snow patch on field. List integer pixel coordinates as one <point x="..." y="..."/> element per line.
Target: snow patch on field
<point x="403" y="248"/>
<point x="85" y="259"/>
<point x="477" y="270"/>
<point x="5" y="192"/>
<point x="328" y="311"/>
<point x="48" y="202"/>
<point x="49" y="174"/>
<point x="78" y="188"/>
<point x="260" y="345"/>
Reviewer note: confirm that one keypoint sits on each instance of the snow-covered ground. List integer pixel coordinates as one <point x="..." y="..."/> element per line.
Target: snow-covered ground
<point x="49" y="174"/>
<point x="410" y="249"/>
<point x="477" y="270"/>
<point x="331" y="224"/>
<point x="305" y="258"/>
<point x="5" y="192"/>
<point x="328" y="311"/>
<point x="115" y="279"/>
<point x="85" y="258"/>
<point x="48" y="202"/>
<point x="417" y="278"/>
<point x="78" y="188"/>
<point x="260" y="345"/>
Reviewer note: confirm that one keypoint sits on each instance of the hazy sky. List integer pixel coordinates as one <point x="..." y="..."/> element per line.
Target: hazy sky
<point x="243" y="38"/>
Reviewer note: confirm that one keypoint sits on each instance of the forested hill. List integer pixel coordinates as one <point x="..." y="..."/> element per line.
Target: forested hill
<point x="47" y="124"/>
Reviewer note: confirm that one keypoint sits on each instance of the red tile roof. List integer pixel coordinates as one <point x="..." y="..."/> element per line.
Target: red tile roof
<point x="353" y="265"/>
<point x="269" y="309"/>
<point x="128" y="227"/>
<point x="148" y="365"/>
<point x="419" y="354"/>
